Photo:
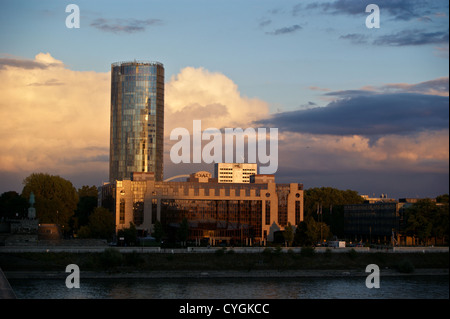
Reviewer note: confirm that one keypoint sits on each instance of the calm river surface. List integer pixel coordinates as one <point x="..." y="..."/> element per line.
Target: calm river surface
<point x="402" y="287"/>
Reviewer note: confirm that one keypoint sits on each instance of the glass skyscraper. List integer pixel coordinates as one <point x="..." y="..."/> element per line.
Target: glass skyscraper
<point x="137" y="119"/>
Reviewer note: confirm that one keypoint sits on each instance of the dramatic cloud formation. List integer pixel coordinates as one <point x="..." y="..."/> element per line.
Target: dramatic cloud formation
<point x="368" y="115"/>
<point x="124" y="25"/>
<point x="53" y="119"/>
<point x="56" y="120"/>
<point x="198" y="94"/>
<point x="398" y="9"/>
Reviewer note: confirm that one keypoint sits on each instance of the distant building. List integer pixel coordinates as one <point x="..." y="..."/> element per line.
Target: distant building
<point x="234" y="172"/>
<point x="373" y="222"/>
<point x="382" y="199"/>
<point x="215" y="211"/>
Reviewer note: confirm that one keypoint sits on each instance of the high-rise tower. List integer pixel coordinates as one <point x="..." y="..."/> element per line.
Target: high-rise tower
<point x="137" y="119"/>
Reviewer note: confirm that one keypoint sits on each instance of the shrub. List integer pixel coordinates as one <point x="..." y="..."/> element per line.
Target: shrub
<point x="111" y="258"/>
<point x="133" y="258"/>
<point x="352" y="254"/>
<point x="220" y="252"/>
<point x="307" y="251"/>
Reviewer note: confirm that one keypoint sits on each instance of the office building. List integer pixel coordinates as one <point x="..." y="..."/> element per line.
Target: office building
<point x="137" y="119"/>
<point x="234" y="172"/>
<point x="216" y="212"/>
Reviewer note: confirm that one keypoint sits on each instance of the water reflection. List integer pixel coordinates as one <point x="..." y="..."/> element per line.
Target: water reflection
<point x="404" y="287"/>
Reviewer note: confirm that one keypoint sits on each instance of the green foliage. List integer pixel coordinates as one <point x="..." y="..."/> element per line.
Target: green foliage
<point x="101" y="225"/>
<point x="111" y="258"/>
<point x="220" y="252"/>
<point x="134" y="259"/>
<point x="129" y="234"/>
<point x="331" y="202"/>
<point x="86" y="204"/>
<point x="12" y="205"/>
<point x="56" y="198"/>
<point x="426" y="219"/>
<point x="309" y="232"/>
<point x="352" y="254"/>
<point x="307" y="252"/>
<point x="289" y="232"/>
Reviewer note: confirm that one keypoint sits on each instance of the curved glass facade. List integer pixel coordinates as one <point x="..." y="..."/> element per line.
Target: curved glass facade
<point x="137" y="119"/>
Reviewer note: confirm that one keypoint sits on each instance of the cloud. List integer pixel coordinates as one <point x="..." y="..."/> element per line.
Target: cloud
<point x="196" y="93"/>
<point x="437" y="86"/>
<point x="124" y="25"/>
<point x="52" y="115"/>
<point x="355" y="38"/>
<point x="285" y="30"/>
<point x="41" y="61"/>
<point x="413" y="38"/>
<point x="398" y="9"/>
<point x="371" y="113"/>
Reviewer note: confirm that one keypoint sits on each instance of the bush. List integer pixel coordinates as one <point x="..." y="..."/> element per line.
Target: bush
<point x="352" y="254"/>
<point x="133" y="259"/>
<point x="230" y="252"/>
<point x="307" y="251"/>
<point x="111" y="258"/>
<point x="220" y="252"/>
<point x="405" y="266"/>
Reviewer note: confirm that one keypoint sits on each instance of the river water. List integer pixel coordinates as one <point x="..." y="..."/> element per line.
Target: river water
<point x="402" y="287"/>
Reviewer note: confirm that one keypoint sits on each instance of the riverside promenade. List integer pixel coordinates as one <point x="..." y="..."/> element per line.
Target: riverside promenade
<point x="101" y="248"/>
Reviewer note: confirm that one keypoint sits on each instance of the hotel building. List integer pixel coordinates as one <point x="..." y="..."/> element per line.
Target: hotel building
<point x="234" y="172"/>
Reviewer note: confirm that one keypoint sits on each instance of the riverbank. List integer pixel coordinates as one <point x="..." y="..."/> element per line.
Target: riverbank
<point x="272" y="263"/>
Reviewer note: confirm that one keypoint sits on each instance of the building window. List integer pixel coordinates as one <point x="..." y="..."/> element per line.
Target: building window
<point x="267" y="212"/>
<point x="297" y="212"/>
<point x="122" y="211"/>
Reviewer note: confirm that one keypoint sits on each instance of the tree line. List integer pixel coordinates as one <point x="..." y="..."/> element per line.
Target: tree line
<point x="76" y="212"/>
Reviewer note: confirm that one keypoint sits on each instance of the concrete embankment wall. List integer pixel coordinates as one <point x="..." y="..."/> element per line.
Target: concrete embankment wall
<point x="100" y="249"/>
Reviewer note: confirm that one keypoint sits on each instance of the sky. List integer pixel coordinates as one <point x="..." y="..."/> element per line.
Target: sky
<point x="357" y="108"/>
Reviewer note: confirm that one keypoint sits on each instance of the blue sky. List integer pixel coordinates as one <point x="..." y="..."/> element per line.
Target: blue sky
<point x="292" y="55"/>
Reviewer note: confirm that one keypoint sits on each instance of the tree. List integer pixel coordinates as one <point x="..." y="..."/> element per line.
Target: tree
<point x="129" y="234"/>
<point x="301" y="238"/>
<point x="56" y="198"/>
<point x="289" y="232"/>
<point x="101" y="225"/>
<point x="426" y="219"/>
<point x="12" y="205"/>
<point x="86" y="204"/>
<point x="329" y="202"/>
<point x="317" y="231"/>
